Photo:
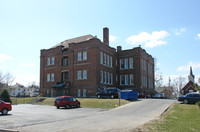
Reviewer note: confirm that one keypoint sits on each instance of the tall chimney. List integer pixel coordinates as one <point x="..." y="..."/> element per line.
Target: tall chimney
<point x="106" y="35"/>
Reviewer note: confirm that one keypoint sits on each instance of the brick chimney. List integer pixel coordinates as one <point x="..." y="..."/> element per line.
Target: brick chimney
<point x="106" y="35"/>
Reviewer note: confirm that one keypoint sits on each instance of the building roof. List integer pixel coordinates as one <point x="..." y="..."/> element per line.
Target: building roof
<point x="188" y="85"/>
<point x="74" y="40"/>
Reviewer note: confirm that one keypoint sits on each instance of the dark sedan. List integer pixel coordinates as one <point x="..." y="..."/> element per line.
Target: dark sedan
<point x="190" y="98"/>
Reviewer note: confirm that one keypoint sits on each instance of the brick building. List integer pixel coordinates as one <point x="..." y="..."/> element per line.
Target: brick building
<point x="82" y="65"/>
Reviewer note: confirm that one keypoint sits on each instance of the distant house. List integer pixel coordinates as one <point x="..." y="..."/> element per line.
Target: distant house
<point x="189" y="87"/>
<point x="167" y="91"/>
<point x="22" y="91"/>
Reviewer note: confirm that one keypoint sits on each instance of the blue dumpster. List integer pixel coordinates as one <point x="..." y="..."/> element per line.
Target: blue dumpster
<point x="130" y="95"/>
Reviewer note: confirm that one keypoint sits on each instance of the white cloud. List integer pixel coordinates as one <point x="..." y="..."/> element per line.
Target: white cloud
<point x="149" y="40"/>
<point x="187" y="68"/>
<point x="112" y="38"/>
<point x="4" y="57"/>
<point x="198" y="36"/>
<point x="180" y="31"/>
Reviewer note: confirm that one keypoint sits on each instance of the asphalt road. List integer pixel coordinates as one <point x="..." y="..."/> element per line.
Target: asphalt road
<point x="36" y="118"/>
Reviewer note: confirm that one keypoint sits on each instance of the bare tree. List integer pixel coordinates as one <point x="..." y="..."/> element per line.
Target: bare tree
<point x="8" y="79"/>
<point x="1" y="77"/>
<point x="178" y="84"/>
<point x="158" y="80"/>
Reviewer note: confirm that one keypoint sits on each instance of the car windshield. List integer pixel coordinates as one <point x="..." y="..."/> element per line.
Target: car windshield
<point x="58" y="98"/>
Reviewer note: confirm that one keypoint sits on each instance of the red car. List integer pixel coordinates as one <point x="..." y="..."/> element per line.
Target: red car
<point x="141" y="95"/>
<point x="5" y="107"/>
<point x="66" y="101"/>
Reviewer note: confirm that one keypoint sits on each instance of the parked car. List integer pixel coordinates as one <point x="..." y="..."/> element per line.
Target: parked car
<point x="5" y="107"/>
<point x="141" y="95"/>
<point x="109" y="92"/>
<point x="156" y="96"/>
<point x="189" y="98"/>
<point x="66" y="101"/>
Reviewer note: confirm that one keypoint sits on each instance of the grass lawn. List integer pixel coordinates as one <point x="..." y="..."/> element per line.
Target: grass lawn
<point x="91" y="102"/>
<point x="179" y="118"/>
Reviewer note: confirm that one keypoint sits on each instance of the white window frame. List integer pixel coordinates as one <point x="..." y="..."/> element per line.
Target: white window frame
<point x="108" y="60"/>
<point x="131" y="63"/>
<point x="85" y="55"/>
<point x="101" y="57"/>
<point x="48" y="77"/>
<point x="52" y="77"/>
<point x="48" y="61"/>
<point x="108" y="77"/>
<point x="126" y="79"/>
<point x="104" y="60"/>
<point x="79" y="56"/>
<point x="121" y="63"/>
<point x="101" y="77"/>
<point x="126" y="63"/>
<point x="121" y="79"/>
<point x="53" y="60"/>
<point x="131" y="79"/>
<point x="79" y="75"/>
<point x="84" y="74"/>
<point x="105" y="77"/>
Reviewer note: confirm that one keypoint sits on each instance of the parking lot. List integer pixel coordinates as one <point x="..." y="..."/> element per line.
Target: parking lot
<point x="28" y="117"/>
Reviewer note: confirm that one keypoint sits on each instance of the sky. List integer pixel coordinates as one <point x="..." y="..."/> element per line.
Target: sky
<point x="169" y="30"/>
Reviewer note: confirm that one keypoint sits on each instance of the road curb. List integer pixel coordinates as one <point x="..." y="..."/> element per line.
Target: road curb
<point x="8" y="130"/>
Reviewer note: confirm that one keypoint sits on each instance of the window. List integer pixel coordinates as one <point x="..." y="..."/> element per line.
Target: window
<point x="79" y="75"/>
<point x="104" y="61"/>
<point x="122" y="80"/>
<point x="144" y="63"/>
<point x="108" y="60"/>
<point x="84" y="55"/>
<point x="144" y="80"/>
<point x="48" y="61"/>
<point x="101" y="58"/>
<point x="53" y="60"/>
<point x="126" y="63"/>
<point x="131" y="79"/>
<point x="52" y="77"/>
<point x="111" y="78"/>
<point x="65" y="61"/>
<point x="48" y="77"/>
<point x="116" y="78"/>
<point x="84" y="74"/>
<point x="150" y="68"/>
<point x="108" y="78"/>
<point x="101" y="77"/>
<point x="79" y="56"/>
<point x="121" y="64"/>
<point x="126" y="79"/>
<point x="105" y="77"/>
<point x="111" y="61"/>
<point x="131" y="63"/>
<point x="64" y="76"/>
<point x="79" y="93"/>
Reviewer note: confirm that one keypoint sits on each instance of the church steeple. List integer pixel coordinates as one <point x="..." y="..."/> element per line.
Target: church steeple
<point x="191" y="76"/>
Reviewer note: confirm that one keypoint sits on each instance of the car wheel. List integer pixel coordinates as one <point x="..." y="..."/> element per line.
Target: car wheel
<point x="78" y="105"/>
<point x="112" y="96"/>
<point x="4" y="111"/>
<point x="99" y="96"/>
<point x="67" y="106"/>
<point x="185" y="101"/>
<point x="58" y="107"/>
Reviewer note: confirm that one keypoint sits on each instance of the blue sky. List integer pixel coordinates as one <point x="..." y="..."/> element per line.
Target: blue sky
<point x="169" y="30"/>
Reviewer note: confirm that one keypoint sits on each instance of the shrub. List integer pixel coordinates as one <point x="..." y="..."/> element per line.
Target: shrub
<point x="4" y="95"/>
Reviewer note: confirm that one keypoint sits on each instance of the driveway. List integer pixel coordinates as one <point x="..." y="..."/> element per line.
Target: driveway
<point x="36" y="118"/>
